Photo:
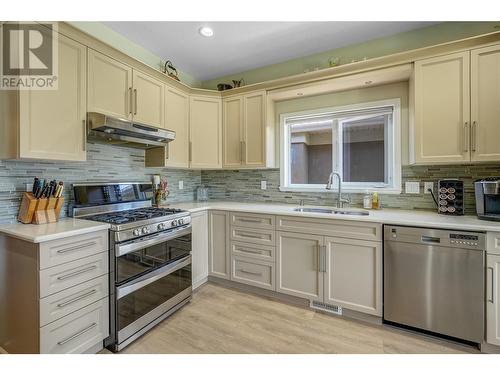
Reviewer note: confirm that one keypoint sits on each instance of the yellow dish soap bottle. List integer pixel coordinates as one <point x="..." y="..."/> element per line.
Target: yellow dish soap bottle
<point x="375" y="201"/>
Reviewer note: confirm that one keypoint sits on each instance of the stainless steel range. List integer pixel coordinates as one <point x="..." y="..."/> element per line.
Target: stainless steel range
<point x="150" y="255"/>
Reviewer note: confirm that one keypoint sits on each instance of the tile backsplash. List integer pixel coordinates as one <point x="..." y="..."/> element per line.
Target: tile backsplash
<point x="107" y="163"/>
<point x="245" y="185"/>
<point x="104" y="163"/>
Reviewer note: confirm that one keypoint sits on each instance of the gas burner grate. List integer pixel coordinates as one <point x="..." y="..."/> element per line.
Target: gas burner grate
<point x="123" y="217"/>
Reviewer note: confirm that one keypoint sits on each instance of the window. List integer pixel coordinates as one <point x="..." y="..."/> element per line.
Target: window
<point x="362" y="142"/>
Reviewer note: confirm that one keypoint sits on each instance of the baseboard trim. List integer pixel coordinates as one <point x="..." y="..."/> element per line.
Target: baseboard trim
<point x="489" y="348"/>
<point x="200" y="282"/>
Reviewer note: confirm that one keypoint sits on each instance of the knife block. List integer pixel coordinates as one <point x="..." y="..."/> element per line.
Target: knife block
<point x="39" y="211"/>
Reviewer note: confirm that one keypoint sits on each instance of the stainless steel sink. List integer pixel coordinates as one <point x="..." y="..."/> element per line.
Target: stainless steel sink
<point x="338" y="211"/>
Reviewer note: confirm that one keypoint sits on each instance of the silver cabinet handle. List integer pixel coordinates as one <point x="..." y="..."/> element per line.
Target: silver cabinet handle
<point x="250" y="272"/>
<point x="249" y="251"/>
<point x="250" y="235"/>
<point x="318" y="256"/>
<point x="466" y="136"/>
<point x="491" y="297"/>
<point x="244" y="148"/>
<point x="84" y="140"/>
<point x="135" y="101"/>
<point x="76" y="273"/>
<point x="65" y="341"/>
<point x="78" y="298"/>
<point x="130" y="105"/>
<point x="241" y="151"/>
<point x="474" y="136"/>
<point x="190" y="151"/>
<point x="250" y="220"/>
<point x="167" y="149"/>
<point x="75" y="248"/>
<point x="324" y="257"/>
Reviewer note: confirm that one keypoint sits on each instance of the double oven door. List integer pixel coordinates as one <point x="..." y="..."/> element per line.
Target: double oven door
<point x="152" y="276"/>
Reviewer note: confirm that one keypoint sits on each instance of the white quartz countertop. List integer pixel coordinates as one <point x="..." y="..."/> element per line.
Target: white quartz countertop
<point x="385" y="216"/>
<point x="66" y="227"/>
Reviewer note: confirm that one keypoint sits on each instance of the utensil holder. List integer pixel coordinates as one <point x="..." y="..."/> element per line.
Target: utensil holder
<point x="39" y="211"/>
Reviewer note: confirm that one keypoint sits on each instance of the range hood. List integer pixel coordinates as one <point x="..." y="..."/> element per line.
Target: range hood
<point x="118" y="132"/>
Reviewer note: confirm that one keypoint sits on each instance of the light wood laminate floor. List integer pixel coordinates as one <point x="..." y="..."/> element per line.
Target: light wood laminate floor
<point x="223" y="320"/>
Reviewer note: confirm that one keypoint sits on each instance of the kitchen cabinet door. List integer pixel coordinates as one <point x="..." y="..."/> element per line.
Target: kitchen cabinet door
<point x="297" y="261"/>
<point x="177" y="119"/>
<point x="109" y="87"/>
<point x="199" y="244"/>
<point x="233" y="129"/>
<point x="205" y="132"/>
<point x="353" y="274"/>
<point x="441" y="128"/>
<point x="254" y="140"/>
<point x="485" y="108"/>
<point x="493" y="299"/>
<point x="52" y="122"/>
<point x="219" y="259"/>
<point x="148" y="100"/>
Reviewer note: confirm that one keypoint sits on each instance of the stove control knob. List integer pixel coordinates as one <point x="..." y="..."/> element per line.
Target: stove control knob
<point x="145" y="230"/>
<point x="137" y="232"/>
<point x="181" y="221"/>
<point x="161" y="226"/>
<point x="174" y="223"/>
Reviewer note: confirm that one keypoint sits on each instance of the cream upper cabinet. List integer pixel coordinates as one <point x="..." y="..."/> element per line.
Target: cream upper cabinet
<point x="205" y="123"/>
<point x="245" y="131"/>
<point x="219" y="255"/>
<point x="297" y="265"/>
<point x="233" y="132"/>
<point x="485" y="100"/>
<point x="254" y="136"/>
<point x="353" y="274"/>
<point x="148" y="100"/>
<point x="441" y="110"/>
<point x="493" y="299"/>
<point x="109" y="88"/>
<point x="177" y="119"/>
<point x="49" y="124"/>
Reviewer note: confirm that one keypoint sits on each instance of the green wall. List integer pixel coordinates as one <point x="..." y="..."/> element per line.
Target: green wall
<point x="439" y="33"/>
<point x="116" y="40"/>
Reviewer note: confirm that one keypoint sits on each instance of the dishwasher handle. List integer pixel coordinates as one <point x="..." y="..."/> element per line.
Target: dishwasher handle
<point x="429" y="239"/>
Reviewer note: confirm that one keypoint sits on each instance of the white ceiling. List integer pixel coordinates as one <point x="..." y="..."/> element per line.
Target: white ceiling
<point x="240" y="46"/>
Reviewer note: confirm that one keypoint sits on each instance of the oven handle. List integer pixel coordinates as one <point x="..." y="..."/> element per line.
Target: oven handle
<point x="143" y="243"/>
<point x="151" y="277"/>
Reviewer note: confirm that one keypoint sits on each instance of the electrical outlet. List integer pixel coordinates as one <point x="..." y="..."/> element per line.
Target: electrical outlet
<point x="181" y="185"/>
<point x="29" y="186"/>
<point x="412" y="187"/>
<point x="263" y="185"/>
<point x="428" y="186"/>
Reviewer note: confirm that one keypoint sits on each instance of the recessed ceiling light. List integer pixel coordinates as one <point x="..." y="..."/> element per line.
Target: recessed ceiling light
<point x="206" y="31"/>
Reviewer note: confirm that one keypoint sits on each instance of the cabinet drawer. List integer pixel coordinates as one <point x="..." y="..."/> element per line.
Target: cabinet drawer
<point x="252" y="251"/>
<point x="253" y="272"/>
<point x="331" y="227"/>
<point x="53" y="253"/>
<point x="493" y="243"/>
<point x="243" y="219"/>
<point x="69" y="300"/>
<point x="55" y="279"/>
<point x="254" y="236"/>
<point x="77" y="332"/>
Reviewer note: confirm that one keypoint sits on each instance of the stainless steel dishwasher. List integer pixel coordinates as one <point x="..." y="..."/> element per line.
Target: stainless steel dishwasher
<point x="434" y="281"/>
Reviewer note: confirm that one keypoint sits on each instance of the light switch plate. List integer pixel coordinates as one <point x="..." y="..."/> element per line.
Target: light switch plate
<point x="412" y="187"/>
<point x="263" y="185"/>
<point x="428" y="185"/>
<point x="181" y="185"/>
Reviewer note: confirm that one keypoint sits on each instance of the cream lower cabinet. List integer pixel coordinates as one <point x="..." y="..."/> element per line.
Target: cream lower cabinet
<point x="219" y="260"/>
<point x="205" y="132"/>
<point x="199" y="222"/>
<point x="48" y="124"/>
<point x="352" y="274"/>
<point x="493" y="299"/>
<point x="298" y="265"/>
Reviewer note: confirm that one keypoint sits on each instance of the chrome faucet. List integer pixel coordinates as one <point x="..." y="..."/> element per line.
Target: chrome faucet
<point x="340" y="200"/>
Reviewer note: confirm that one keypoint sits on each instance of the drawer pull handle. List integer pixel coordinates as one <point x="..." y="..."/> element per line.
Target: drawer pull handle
<point x="78" y="334"/>
<point x="76" y="273"/>
<point x="251" y="236"/>
<point x="250" y="272"/>
<point x="74" y="248"/>
<point x="250" y="251"/>
<point x="251" y="220"/>
<point x="491" y="293"/>
<point x="78" y="298"/>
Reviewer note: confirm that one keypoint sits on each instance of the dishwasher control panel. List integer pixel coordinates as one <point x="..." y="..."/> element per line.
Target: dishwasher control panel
<point x="464" y="239"/>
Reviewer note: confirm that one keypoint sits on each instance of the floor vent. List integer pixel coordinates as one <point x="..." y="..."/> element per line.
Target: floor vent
<point x="325" y="307"/>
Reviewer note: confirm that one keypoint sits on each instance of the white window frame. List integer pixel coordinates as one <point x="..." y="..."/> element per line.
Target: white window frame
<point x="393" y="150"/>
